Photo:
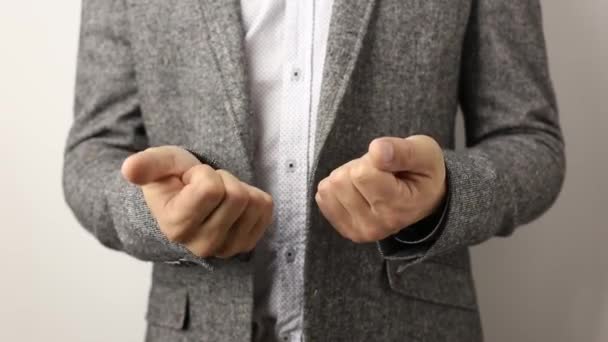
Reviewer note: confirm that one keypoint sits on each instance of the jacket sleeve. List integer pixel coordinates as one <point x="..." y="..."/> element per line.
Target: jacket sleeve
<point x="107" y="128"/>
<point x="514" y="165"/>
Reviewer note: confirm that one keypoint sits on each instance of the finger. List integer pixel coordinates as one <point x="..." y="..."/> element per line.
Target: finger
<point x="262" y="225"/>
<point x="156" y="163"/>
<point x="238" y="236"/>
<point x="203" y="191"/>
<point x="258" y="231"/>
<point x="333" y="210"/>
<point x="365" y="223"/>
<point x="416" y="153"/>
<point x="159" y="193"/>
<point x="346" y="193"/>
<point x="245" y="232"/>
<point x="376" y="186"/>
<point x="188" y="209"/>
<point x="214" y="230"/>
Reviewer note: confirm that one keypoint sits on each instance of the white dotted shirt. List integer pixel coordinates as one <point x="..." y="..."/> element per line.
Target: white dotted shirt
<point x="285" y="42"/>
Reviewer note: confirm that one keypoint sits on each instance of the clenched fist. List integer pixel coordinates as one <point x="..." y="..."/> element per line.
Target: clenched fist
<point x="395" y="184"/>
<point x="209" y="211"/>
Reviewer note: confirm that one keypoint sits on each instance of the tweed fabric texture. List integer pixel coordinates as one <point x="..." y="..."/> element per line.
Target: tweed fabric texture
<point x="158" y="72"/>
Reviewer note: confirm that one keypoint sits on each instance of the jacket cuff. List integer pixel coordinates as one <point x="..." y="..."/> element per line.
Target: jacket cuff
<point x="414" y="240"/>
<point x="427" y="229"/>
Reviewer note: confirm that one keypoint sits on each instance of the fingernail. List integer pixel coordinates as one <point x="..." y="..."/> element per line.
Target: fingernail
<point x="386" y="151"/>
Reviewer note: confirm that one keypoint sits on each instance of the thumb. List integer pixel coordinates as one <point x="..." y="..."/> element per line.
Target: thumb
<point x="392" y="154"/>
<point x="156" y="163"/>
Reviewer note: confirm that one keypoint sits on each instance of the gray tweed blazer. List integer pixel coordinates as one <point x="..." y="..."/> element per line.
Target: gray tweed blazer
<point x="160" y="72"/>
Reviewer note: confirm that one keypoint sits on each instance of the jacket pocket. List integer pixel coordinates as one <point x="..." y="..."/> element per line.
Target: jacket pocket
<point x="168" y="306"/>
<point x="433" y="282"/>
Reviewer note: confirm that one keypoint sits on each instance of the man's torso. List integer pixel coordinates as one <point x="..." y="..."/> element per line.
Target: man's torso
<point x="392" y="68"/>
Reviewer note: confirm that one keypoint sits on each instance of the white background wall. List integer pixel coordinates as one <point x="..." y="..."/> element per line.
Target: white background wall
<point x="547" y="283"/>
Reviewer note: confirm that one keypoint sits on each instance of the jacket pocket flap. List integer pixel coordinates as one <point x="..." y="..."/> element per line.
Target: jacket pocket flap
<point x="435" y="283"/>
<point x="168" y="306"/>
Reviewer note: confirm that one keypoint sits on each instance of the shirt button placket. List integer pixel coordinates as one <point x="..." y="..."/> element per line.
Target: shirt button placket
<point x="296" y="74"/>
<point x="290" y="255"/>
<point x="290" y="165"/>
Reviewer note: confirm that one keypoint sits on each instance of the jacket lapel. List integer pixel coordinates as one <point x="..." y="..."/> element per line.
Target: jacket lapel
<point x="225" y="35"/>
<point x="349" y="22"/>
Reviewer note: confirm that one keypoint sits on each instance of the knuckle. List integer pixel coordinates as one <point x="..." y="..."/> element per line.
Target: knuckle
<point x="213" y="192"/>
<point x="223" y="172"/>
<point x="360" y="174"/>
<point x="332" y="182"/>
<point x="261" y="206"/>
<point x="338" y="175"/>
<point x="318" y="200"/>
<point x="269" y="201"/>
<point x="237" y="196"/>
<point x="324" y="186"/>
<point x="202" y="170"/>
<point x="256" y="197"/>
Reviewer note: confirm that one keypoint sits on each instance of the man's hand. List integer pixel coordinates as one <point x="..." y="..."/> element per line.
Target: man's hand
<point x="395" y="184"/>
<point x="209" y="211"/>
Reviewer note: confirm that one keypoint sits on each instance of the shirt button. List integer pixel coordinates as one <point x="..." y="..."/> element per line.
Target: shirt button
<point x="296" y="74"/>
<point x="290" y="165"/>
<point x="290" y="255"/>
